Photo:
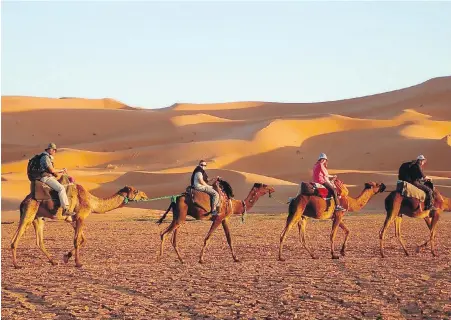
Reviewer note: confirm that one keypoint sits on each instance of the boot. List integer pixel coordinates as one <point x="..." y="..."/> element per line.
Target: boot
<point x="68" y="213"/>
<point x="215" y="212"/>
<point x="339" y="208"/>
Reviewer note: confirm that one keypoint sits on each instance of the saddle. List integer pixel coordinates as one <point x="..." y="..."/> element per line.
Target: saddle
<point x="194" y="194"/>
<point x="408" y="190"/>
<point x="42" y="192"/>
<point x="316" y="189"/>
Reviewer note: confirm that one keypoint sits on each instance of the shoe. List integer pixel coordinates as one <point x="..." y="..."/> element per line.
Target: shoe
<point x="68" y="213"/>
<point x="339" y="208"/>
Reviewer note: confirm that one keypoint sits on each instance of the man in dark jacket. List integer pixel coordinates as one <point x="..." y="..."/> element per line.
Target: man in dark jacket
<point x="412" y="172"/>
<point x="199" y="181"/>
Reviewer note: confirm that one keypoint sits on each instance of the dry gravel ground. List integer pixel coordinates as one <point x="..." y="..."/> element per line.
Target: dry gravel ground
<point x="121" y="279"/>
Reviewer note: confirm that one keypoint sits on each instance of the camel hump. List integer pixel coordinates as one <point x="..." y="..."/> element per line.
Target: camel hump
<point x="41" y="191"/>
<point x="198" y="198"/>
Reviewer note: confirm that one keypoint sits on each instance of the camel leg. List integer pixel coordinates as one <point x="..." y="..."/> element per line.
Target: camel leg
<point x="163" y="236"/>
<point x="398" y="221"/>
<point x="70" y="254"/>
<point x="396" y="226"/>
<point x="428" y="221"/>
<point x="392" y="205"/>
<point x="292" y="219"/>
<point x="347" y="232"/>
<point x="387" y="223"/>
<point x="77" y="240"/>
<point x="28" y="213"/>
<point x="174" y="243"/>
<point x="435" y="218"/>
<point x="38" y="224"/>
<point x="225" y="226"/>
<point x="335" y="224"/>
<point x="301" y="225"/>
<point x="213" y="227"/>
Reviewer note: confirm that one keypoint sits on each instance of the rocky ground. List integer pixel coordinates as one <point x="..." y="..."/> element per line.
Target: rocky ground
<point x="121" y="279"/>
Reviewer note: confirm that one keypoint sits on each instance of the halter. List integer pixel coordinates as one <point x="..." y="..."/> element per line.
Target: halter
<point x="127" y="199"/>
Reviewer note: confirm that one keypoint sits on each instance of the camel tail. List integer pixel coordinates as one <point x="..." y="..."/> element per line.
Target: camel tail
<point x="291" y="207"/>
<point x="171" y="206"/>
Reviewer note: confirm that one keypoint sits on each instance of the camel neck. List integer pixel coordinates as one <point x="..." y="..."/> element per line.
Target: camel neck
<point x="360" y="201"/>
<point x="100" y="205"/>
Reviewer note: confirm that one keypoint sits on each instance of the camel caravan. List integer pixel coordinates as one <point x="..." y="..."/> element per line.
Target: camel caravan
<point x="55" y="195"/>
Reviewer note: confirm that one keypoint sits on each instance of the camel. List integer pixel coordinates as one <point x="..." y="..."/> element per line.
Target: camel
<point x="83" y="203"/>
<point x="397" y="205"/>
<point x="184" y="207"/>
<point x="303" y="207"/>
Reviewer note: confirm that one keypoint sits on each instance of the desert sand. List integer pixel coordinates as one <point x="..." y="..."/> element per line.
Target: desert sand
<point x="106" y="144"/>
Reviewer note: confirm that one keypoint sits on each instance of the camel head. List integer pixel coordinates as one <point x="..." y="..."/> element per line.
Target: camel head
<point x="376" y="187"/>
<point x="258" y="190"/>
<point x="131" y="194"/>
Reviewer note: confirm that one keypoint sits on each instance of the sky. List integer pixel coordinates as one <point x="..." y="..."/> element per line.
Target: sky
<point x="155" y="54"/>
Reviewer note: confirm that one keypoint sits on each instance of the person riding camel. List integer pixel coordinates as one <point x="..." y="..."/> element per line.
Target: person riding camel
<point x="321" y="176"/>
<point x="49" y="176"/>
<point x="199" y="181"/>
<point x="412" y="172"/>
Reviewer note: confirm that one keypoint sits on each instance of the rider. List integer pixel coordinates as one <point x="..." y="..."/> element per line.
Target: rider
<point x="199" y="181"/>
<point x="321" y="176"/>
<point x="412" y="172"/>
<point x="49" y="176"/>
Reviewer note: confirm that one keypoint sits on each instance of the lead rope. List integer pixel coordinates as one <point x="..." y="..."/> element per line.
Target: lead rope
<point x="244" y="212"/>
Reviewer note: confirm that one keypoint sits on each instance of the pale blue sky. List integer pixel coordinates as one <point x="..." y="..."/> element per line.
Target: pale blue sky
<point x="153" y="54"/>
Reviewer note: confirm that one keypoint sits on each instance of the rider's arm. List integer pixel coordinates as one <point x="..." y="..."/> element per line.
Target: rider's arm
<point x="46" y="163"/>
<point x="420" y="172"/>
<point x="200" y="179"/>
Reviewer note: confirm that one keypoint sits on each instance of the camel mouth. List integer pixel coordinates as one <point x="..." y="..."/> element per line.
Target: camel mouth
<point x="382" y="187"/>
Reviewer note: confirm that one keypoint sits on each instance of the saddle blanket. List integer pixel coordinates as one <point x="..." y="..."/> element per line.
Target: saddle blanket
<point x="410" y="191"/>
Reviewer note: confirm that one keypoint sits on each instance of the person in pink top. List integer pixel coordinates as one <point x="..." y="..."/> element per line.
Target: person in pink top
<point x="321" y="176"/>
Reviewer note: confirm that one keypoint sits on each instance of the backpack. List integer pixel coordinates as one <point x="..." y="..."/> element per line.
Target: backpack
<point x="404" y="171"/>
<point x="34" y="170"/>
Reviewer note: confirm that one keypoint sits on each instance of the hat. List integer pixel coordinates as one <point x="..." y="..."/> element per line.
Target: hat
<point x="322" y="156"/>
<point x="51" y="146"/>
<point x="421" y="157"/>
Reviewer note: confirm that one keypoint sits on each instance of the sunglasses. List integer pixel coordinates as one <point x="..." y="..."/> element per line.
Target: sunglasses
<point x="203" y="165"/>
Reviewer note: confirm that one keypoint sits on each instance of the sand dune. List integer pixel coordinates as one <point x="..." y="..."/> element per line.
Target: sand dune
<point x="19" y="103"/>
<point x="106" y="144"/>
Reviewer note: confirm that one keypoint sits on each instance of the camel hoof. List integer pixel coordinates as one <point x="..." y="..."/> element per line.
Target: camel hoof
<point x="17" y="267"/>
<point x="434" y="254"/>
<point x="407" y="254"/>
<point x="282" y="259"/>
<point x="54" y="263"/>
<point x="78" y="265"/>
<point x="335" y="256"/>
<point x="343" y="253"/>
<point x="236" y="259"/>
<point x="201" y="261"/>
